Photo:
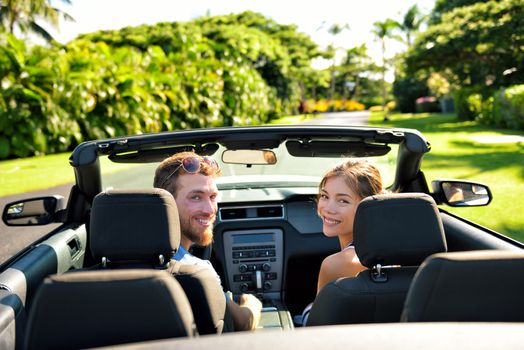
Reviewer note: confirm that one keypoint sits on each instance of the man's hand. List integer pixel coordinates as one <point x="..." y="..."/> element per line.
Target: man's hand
<point x="246" y="314"/>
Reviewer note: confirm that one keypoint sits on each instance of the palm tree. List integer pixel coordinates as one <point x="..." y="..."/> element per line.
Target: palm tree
<point x="354" y="63"/>
<point x="411" y="23"/>
<point x="334" y="30"/>
<point x="383" y="30"/>
<point x="24" y="15"/>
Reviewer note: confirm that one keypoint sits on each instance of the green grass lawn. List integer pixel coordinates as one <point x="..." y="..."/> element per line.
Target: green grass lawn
<point x="457" y="151"/>
<point x="41" y="172"/>
<point x="34" y="173"/>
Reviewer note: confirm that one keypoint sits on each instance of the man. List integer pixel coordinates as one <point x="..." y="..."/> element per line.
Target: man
<point x="191" y="180"/>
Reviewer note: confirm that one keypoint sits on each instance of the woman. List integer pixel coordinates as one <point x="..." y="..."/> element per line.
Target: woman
<point x="340" y="191"/>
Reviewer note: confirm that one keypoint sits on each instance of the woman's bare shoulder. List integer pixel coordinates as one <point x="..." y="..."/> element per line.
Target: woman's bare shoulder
<point x="339" y="264"/>
<point x="342" y="257"/>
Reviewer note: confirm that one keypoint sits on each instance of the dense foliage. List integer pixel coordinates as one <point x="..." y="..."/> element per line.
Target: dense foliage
<point x="504" y="108"/>
<point x="480" y="44"/>
<point x="243" y="69"/>
<point x="444" y="6"/>
<point x="406" y="91"/>
<point x="214" y="71"/>
<point x="477" y="47"/>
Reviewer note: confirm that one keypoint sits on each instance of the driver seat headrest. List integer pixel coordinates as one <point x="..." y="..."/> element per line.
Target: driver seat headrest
<point x="134" y="225"/>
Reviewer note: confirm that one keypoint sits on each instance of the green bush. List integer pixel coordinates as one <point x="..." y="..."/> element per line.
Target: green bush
<point x="406" y="91"/>
<point x="226" y="70"/>
<point x="31" y="80"/>
<point x="466" y="103"/>
<point x="508" y="107"/>
<point x="504" y="108"/>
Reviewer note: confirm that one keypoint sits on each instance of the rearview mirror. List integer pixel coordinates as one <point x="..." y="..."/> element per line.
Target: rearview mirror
<point x="458" y="193"/>
<point x="249" y="157"/>
<point x="33" y="212"/>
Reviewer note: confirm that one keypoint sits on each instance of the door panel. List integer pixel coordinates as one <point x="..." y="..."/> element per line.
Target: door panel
<point x="64" y="251"/>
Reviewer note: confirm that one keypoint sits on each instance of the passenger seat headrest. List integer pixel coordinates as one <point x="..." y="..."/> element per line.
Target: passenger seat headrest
<point x="134" y="225"/>
<point x="397" y="229"/>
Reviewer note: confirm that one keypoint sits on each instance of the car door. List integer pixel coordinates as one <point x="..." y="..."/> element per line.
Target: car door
<point x="59" y="251"/>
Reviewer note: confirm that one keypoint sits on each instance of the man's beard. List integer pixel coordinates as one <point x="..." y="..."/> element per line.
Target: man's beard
<point x="201" y="238"/>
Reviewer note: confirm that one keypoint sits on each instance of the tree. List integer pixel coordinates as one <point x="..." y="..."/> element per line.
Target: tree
<point x="383" y="30"/>
<point x="31" y="120"/>
<point x="353" y="72"/>
<point x="280" y="53"/>
<point x="411" y="23"/>
<point x="334" y="30"/>
<point x="479" y="44"/>
<point x="259" y="67"/>
<point x="444" y="6"/>
<point x="330" y="53"/>
<point x="25" y="16"/>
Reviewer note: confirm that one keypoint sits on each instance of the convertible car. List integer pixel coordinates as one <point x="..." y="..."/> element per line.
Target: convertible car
<point x="434" y="280"/>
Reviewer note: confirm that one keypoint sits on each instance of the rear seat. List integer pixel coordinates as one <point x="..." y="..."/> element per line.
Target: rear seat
<point x="101" y="308"/>
<point x="474" y="286"/>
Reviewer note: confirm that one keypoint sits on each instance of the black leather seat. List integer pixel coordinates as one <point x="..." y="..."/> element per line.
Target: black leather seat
<point x="140" y="229"/>
<point x="393" y="234"/>
<point x="476" y="286"/>
<point x="102" y="308"/>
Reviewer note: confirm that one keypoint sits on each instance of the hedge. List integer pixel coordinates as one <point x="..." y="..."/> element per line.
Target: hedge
<point x="503" y="108"/>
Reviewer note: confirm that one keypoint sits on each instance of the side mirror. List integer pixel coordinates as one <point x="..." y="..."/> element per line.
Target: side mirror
<point x="33" y="211"/>
<point x="458" y="193"/>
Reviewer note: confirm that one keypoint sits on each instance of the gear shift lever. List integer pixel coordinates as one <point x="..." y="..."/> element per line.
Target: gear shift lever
<point x="258" y="283"/>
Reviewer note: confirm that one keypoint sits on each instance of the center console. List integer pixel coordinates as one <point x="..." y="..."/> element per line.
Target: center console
<point x="254" y="264"/>
<point x="254" y="261"/>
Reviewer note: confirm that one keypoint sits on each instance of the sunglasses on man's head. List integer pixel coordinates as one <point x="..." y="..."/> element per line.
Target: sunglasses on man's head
<point x="192" y="165"/>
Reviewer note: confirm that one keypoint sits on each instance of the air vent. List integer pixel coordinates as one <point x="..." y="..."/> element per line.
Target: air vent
<point x="233" y="213"/>
<point x="252" y="212"/>
<point x="269" y="212"/>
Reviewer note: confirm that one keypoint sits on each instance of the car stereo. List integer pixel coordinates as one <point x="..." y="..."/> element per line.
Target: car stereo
<point x="254" y="261"/>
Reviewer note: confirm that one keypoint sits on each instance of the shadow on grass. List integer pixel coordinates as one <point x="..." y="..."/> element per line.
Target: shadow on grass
<point x="428" y="123"/>
<point x="513" y="231"/>
<point x="478" y="163"/>
<point x="479" y="157"/>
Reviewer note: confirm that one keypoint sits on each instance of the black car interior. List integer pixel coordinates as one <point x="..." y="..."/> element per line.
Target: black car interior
<point x="268" y="241"/>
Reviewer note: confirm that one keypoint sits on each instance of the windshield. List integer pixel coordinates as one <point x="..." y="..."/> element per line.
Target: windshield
<point x="288" y="171"/>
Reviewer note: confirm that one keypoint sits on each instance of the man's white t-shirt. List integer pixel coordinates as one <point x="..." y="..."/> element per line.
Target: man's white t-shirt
<point x="186" y="257"/>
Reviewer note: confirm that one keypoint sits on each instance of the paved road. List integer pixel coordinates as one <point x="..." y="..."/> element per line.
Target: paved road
<point x="13" y="239"/>
<point x="341" y="118"/>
